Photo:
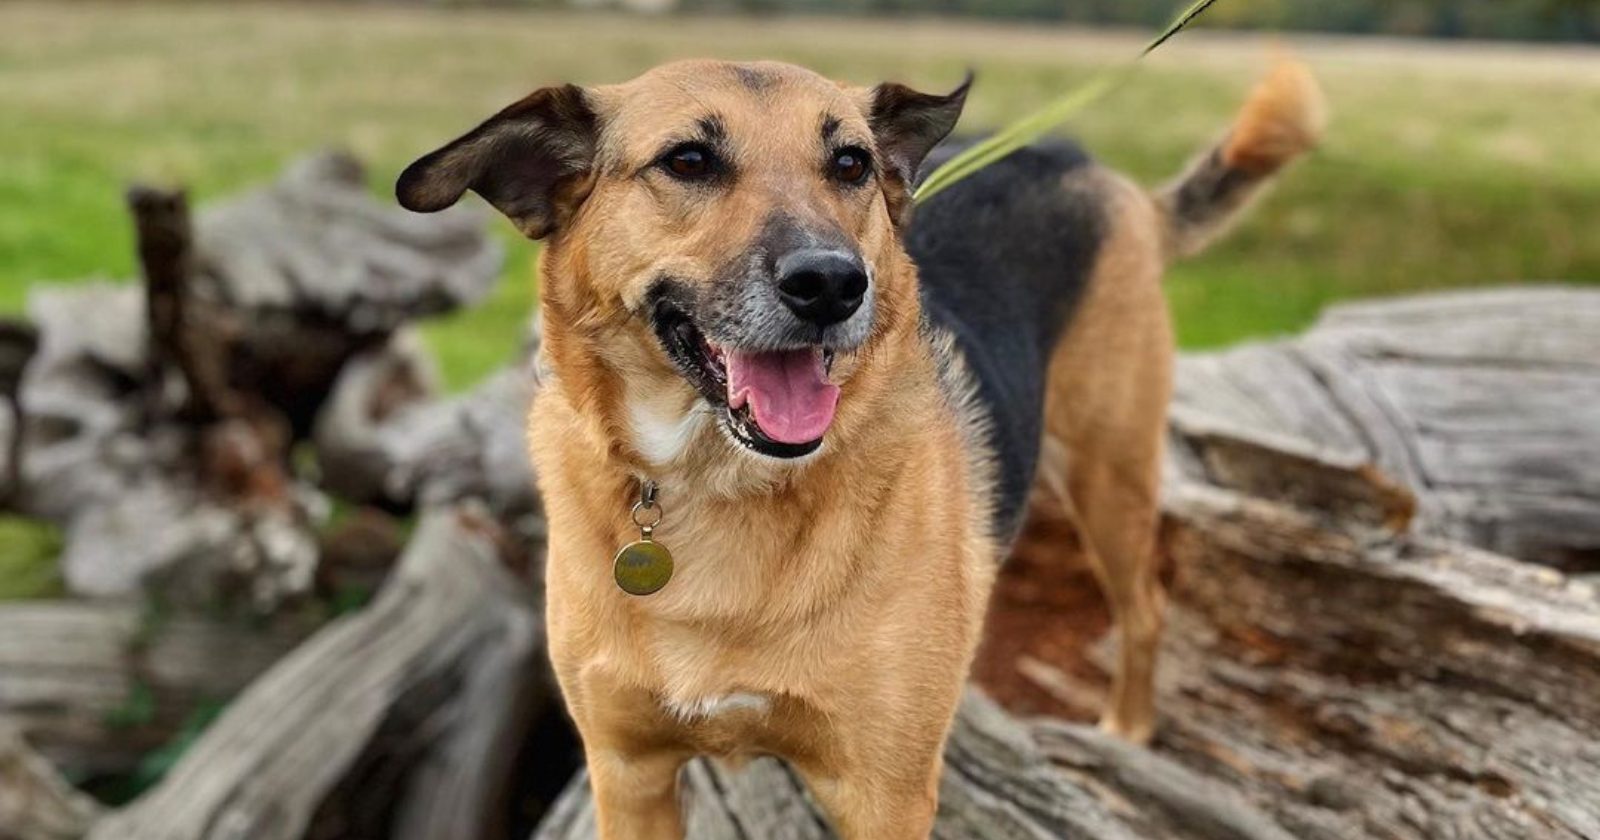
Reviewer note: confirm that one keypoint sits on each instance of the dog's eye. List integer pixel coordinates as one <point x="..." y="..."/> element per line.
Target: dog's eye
<point x="690" y="162"/>
<point x="851" y="165"/>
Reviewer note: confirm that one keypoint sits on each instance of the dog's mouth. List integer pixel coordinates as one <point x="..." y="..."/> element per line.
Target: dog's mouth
<point x="777" y="403"/>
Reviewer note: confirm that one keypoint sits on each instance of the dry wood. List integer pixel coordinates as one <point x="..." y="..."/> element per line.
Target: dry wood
<point x="400" y="721"/>
<point x="316" y="244"/>
<point x="70" y="672"/>
<point x="247" y="316"/>
<point x="409" y="452"/>
<point x="35" y="802"/>
<point x="1391" y="687"/>
<point x="19" y="341"/>
<point x="1319" y="682"/>
<point x="184" y="332"/>
<point x="996" y="783"/>
<point x="1485" y="405"/>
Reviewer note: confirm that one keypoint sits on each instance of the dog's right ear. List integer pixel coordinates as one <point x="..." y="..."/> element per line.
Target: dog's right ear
<point x="532" y="161"/>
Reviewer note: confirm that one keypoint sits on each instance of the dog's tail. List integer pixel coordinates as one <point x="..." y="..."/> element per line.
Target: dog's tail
<point x="1282" y="119"/>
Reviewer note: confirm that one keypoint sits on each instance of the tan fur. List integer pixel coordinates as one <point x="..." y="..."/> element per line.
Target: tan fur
<point x="1283" y="118"/>
<point x="839" y="599"/>
<point x="1105" y="422"/>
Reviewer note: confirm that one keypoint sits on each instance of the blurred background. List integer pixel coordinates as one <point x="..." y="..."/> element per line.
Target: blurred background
<point x="1461" y="151"/>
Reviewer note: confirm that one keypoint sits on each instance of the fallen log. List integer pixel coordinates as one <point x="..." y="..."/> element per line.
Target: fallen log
<point x="94" y="686"/>
<point x="404" y="720"/>
<point x="190" y="391"/>
<point x="1484" y="404"/>
<point x="377" y="448"/>
<point x="1335" y="666"/>
<point x="35" y="802"/>
<point x="19" y="341"/>
<point x="1366" y="684"/>
<point x="1318" y="683"/>
<point x="996" y="784"/>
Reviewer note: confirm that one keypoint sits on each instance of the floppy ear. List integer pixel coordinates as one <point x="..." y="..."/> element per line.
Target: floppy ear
<point x="531" y="161"/>
<point x="906" y="125"/>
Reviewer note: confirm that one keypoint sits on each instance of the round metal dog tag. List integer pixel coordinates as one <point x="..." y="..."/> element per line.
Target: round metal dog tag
<point x="642" y="567"/>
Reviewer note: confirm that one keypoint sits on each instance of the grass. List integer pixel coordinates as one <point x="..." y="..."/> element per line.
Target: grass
<point x="27" y="552"/>
<point x="1446" y="165"/>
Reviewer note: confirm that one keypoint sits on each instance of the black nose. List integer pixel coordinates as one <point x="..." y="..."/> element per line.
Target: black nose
<point x="821" y="287"/>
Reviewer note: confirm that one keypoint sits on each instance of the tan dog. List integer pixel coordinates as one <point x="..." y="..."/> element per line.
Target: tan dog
<point x="844" y="450"/>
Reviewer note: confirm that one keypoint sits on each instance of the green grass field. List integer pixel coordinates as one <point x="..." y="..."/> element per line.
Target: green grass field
<point x="1444" y="165"/>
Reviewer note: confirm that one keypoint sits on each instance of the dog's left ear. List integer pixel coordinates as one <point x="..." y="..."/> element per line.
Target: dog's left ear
<point x="531" y="161"/>
<point x="907" y="124"/>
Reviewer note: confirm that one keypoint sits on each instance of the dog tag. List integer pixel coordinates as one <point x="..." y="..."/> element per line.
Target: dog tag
<point x="642" y="567"/>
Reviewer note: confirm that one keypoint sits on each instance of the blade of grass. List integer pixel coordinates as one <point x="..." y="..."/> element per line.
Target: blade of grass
<point x="1032" y="127"/>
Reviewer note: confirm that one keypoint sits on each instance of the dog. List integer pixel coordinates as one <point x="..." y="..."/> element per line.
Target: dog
<point x="836" y="413"/>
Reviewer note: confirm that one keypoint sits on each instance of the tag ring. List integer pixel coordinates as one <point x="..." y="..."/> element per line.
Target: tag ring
<point x="638" y="514"/>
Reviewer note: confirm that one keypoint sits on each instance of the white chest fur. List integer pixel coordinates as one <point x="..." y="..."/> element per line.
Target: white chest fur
<point x="708" y="708"/>
<point x="662" y="429"/>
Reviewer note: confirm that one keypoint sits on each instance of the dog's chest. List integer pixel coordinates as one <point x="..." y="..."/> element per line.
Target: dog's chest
<point x="715" y="708"/>
<point x="732" y="726"/>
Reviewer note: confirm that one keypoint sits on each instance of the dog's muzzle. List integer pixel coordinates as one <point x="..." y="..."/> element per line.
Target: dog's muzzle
<point x="762" y="351"/>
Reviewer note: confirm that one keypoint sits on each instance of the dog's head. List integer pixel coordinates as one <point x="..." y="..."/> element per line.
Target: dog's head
<point x="719" y="232"/>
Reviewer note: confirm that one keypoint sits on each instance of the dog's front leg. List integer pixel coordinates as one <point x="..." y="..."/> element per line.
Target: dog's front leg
<point x="636" y="794"/>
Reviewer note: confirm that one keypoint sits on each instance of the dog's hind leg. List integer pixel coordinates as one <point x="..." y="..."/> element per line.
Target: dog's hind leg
<point x="1105" y="425"/>
<point x="1114" y="508"/>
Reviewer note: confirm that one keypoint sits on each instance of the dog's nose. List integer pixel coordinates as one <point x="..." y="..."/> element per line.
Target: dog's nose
<point x="821" y="287"/>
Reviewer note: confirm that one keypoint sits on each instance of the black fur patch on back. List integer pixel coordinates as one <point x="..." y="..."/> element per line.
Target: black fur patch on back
<point x="1004" y="256"/>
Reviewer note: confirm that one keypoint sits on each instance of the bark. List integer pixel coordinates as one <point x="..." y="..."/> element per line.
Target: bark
<point x="1485" y="404"/>
<point x="19" y="341"/>
<point x="35" y="802"/>
<point x="159" y="440"/>
<point x="93" y="686"/>
<point x="997" y="783"/>
<point x="408" y="453"/>
<point x="403" y="720"/>
<point x="184" y="333"/>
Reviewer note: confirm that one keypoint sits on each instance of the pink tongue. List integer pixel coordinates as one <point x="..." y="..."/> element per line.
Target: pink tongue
<point x="788" y="392"/>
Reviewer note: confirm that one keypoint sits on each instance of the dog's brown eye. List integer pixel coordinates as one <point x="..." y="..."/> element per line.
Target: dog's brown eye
<point x="690" y="162"/>
<point x="851" y="165"/>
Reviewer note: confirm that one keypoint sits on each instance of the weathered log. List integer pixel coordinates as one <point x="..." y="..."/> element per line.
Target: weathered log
<point x="1361" y="684"/>
<point x="996" y="784"/>
<point x="184" y="332"/>
<point x="19" y="342"/>
<point x="93" y="686"/>
<point x="403" y="720"/>
<point x="354" y="461"/>
<point x="430" y="453"/>
<point x="1319" y="682"/>
<point x="35" y="802"/>
<point x="248" y="316"/>
<point x="316" y="243"/>
<point x="79" y="396"/>
<point x="1485" y="404"/>
<point x="1347" y="680"/>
